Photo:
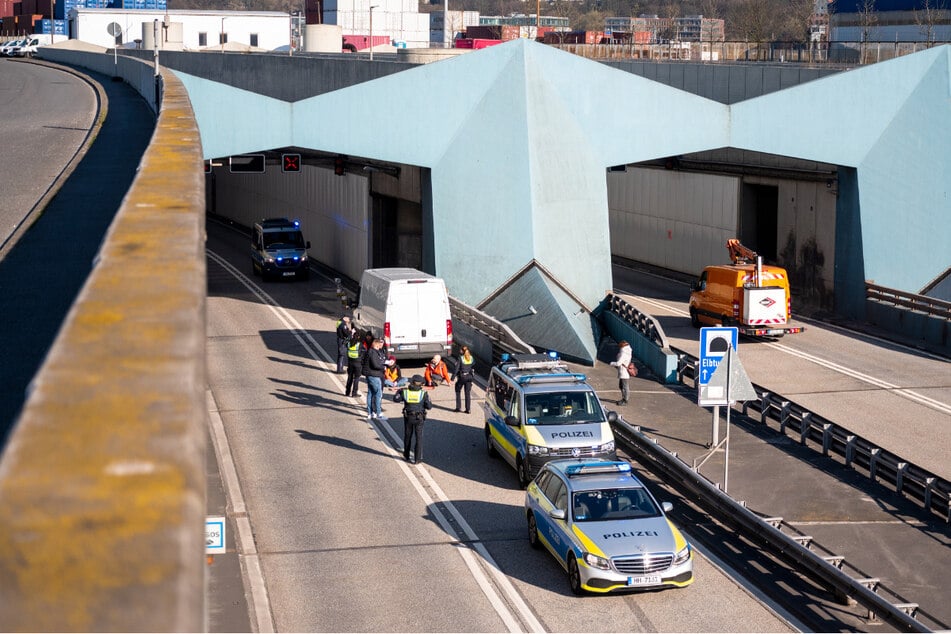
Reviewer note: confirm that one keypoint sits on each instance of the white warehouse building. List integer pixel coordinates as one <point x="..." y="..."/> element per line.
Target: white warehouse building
<point x="182" y="29"/>
<point x="398" y="19"/>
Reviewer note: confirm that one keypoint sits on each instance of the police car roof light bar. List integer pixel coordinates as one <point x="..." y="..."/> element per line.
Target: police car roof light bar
<point x="550" y="378"/>
<point x="597" y="467"/>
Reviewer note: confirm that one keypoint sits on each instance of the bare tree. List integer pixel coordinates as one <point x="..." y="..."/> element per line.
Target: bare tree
<point x="796" y="18"/>
<point x="928" y="17"/>
<point x="752" y="20"/>
<point x="868" y="18"/>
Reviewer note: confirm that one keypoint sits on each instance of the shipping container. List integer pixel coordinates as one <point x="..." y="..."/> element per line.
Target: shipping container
<point x="484" y="31"/>
<point x="476" y="43"/>
<point x="510" y="32"/>
<point x="574" y="37"/>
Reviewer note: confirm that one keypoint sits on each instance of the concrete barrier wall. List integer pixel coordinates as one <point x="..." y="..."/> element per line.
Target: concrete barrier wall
<point x="931" y="331"/>
<point x="102" y="484"/>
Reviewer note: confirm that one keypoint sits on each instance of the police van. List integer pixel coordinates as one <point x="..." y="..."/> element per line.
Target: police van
<point x="278" y="249"/>
<point x="537" y="410"/>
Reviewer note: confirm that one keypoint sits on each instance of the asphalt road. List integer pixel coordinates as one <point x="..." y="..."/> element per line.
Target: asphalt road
<point x="47" y="115"/>
<point x="351" y="538"/>
<point x="893" y="395"/>
<point x="42" y="273"/>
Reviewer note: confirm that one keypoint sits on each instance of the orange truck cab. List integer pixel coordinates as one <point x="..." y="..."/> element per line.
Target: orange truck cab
<point x="752" y="297"/>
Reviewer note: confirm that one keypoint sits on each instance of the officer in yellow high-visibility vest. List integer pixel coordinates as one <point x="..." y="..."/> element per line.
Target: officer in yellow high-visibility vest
<point x="415" y="401"/>
<point x="354" y="364"/>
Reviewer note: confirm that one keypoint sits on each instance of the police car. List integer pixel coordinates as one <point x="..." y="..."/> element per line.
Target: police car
<point x="537" y="410"/>
<point x="605" y="528"/>
<point x="278" y="249"/>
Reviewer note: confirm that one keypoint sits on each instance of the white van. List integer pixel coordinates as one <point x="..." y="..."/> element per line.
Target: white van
<point x="409" y="309"/>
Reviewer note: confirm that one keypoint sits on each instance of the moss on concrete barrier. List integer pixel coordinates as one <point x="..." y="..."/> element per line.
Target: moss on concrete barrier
<point x="102" y="485"/>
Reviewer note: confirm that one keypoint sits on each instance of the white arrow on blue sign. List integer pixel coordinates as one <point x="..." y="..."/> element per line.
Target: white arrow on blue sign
<point x="714" y="344"/>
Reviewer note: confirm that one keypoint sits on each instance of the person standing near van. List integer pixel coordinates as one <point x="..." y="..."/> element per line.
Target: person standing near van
<point x="436" y="372"/>
<point x="622" y="362"/>
<point x="374" y="363"/>
<point x="344" y="334"/>
<point x="355" y="355"/>
<point x="463" y="374"/>
<point x="415" y="403"/>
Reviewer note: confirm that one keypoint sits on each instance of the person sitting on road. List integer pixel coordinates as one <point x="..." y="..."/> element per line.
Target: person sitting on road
<point x="392" y="375"/>
<point x="436" y="372"/>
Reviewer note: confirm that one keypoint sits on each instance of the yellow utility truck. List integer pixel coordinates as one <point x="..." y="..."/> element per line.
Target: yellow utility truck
<point x="747" y="294"/>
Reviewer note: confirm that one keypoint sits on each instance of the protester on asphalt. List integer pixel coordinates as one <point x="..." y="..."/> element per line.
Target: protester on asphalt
<point x="436" y="372"/>
<point x="393" y="375"/>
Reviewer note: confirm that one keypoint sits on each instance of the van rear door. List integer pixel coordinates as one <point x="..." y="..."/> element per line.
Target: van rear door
<point x="417" y="312"/>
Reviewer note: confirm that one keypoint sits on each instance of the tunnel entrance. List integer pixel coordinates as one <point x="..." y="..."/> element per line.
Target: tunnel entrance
<point x="759" y="212"/>
<point x="396" y="232"/>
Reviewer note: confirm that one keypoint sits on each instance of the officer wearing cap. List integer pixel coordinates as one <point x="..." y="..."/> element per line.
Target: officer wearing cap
<point x="415" y="401"/>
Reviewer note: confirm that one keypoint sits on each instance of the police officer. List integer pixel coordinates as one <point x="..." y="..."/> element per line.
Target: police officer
<point x="463" y="374"/>
<point x="415" y="401"/>
<point x="354" y="364"/>
<point x="344" y="334"/>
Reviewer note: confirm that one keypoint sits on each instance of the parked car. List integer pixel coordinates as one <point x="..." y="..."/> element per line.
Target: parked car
<point x="605" y="528"/>
<point x="7" y="47"/>
<point x="537" y="410"/>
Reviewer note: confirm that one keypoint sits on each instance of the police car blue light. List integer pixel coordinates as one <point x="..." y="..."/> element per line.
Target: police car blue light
<point x="605" y="528"/>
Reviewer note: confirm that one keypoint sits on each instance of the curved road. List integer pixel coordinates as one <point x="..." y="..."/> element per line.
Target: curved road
<point x="47" y="115"/>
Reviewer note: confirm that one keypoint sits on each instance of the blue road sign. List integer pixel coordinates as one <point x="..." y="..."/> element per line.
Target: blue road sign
<point x="714" y="344"/>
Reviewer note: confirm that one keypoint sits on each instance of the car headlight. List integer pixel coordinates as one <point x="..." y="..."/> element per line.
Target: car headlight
<point x="537" y="450"/>
<point x="607" y="447"/>
<point x="596" y="562"/>
<point x="269" y="259"/>
<point x="682" y="556"/>
<point x="303" y="258"/>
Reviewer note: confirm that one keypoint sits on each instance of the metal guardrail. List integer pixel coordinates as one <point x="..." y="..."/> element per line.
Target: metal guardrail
<point x="911" y="481"/>
<point x="642" y="322"/>
<point x="922" y="303"/>
<point x="795" y="549"/>
<point x="502" y="337"/>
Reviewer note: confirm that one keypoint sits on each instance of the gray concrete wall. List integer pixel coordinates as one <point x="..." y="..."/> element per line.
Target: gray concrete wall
<point x="289" y="78"/>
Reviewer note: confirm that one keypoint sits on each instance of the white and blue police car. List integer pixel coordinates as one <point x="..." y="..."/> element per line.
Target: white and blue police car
<point x="278" y="249"/>
<point x="537" y="409"/>
<point x="605" y="528"/>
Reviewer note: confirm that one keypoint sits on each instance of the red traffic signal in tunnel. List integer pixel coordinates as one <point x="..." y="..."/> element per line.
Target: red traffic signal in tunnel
<point x="340" y="166"/>
<point x="290" y="162"/>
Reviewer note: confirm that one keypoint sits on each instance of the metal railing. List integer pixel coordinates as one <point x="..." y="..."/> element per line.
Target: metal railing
<point x="502" y="337"/>
<point x="922" y="303"/>
<point x="881" y="465"/>
<point x="795" y="549"/>
<point x="642" y="322"/>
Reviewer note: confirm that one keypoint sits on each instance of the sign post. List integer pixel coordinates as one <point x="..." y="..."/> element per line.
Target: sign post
<point x="714" y="345"/>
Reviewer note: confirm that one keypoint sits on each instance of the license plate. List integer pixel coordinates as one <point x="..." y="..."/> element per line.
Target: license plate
<point x="653" y="580"/>
<point x="288" y="273"/>
<point x="407" y="346"/>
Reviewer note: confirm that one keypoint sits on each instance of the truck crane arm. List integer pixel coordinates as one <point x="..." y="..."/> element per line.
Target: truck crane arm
<point x="740" y="254"/>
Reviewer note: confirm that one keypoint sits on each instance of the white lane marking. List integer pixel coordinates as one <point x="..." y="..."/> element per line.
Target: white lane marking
<point x="318" y="354"/>
<point x="465" y="550"/>
<point x="911" y="395"/>
<point x="247" y="550"/>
